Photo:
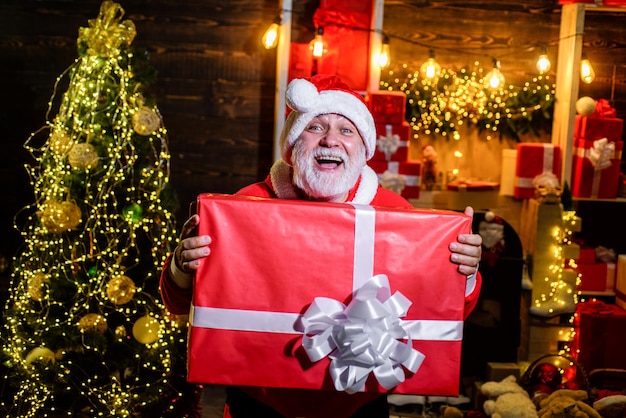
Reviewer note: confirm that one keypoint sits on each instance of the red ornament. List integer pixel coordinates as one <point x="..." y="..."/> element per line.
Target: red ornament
<point x="547" y="374"/>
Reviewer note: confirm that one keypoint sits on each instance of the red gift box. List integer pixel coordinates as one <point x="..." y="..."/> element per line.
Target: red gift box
<point x="601" y="335"/>
<point x="587" y="255"/>
<point x="534" y="159"/>
<point x="596" y="167"/>
<point x="410" y="171"/>
<point x="387" y="107"/>
<point x="593" y="127"/>
<point x="593" y="277"/>
<point x="347" y="36"/>
<point x="273" y="261"/>
<point x="393" y="142"/>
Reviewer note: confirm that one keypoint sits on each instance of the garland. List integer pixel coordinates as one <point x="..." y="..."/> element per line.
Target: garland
<point x="439" y="106"/>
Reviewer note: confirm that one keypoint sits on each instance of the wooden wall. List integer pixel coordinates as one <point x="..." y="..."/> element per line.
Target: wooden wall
<point x="215" y="84"/>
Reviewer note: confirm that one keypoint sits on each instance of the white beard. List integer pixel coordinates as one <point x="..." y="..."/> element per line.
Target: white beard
<point x="321" y="184"/>
<point x="490" y="233"/>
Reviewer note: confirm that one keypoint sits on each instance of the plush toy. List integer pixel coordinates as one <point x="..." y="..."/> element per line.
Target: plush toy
<point x="612" y="406"/>
<point x="507" y="399"/>
<point x="567" y="403"/>
<point x="448" y="411"/>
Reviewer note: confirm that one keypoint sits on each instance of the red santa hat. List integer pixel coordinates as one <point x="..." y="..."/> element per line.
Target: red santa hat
<point x="322" y="94"/>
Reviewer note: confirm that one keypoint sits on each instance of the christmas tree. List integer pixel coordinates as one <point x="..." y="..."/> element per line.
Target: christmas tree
<point x="85" y="332"/>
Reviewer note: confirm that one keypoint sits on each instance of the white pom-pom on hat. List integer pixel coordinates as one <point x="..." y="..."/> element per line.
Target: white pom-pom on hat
<point x="324" y="94"/>
<point x="302" y="95"/>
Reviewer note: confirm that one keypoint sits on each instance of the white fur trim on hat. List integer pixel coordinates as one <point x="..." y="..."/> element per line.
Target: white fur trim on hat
<point x="307" y="102"/>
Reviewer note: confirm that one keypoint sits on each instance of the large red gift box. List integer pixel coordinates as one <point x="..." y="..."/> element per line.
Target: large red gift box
<point x="595" y="277"/>
<point x="387" y="106"/>
<point x="280" y="272"/>
<point x="410" y="171"/>
<point x="596" y="167"/>
<point x="534" y="159"/>
<point x="594" y="127"/>
<point x="392" y="143"/>
<point x="601" y="335"/>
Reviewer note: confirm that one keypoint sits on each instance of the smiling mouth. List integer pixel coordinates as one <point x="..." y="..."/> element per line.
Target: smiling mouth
<point x="329" y="162"/>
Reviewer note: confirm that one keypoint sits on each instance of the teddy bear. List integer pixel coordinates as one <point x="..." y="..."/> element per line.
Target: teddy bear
<point x="567" y="403"/>
<point x="507" y="399"/>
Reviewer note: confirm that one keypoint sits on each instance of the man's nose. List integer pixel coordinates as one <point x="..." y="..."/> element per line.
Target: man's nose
<point x="330" y="139"/>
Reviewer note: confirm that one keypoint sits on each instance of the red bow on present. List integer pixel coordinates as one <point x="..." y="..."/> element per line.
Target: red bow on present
<point x="604" y="109"/>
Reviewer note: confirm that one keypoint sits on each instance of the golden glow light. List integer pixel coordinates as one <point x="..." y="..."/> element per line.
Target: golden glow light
<point x="270" y="37"/>
<point x="495" y="79"/>
<point x="543" y="62"/>
<point x="317" y="45"/>
<point x="383" y="57"/>
<point x="430" y="68"/>
<point x="587" y="73"/>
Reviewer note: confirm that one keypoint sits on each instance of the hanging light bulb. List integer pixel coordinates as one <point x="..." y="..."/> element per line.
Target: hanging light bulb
<point x="383" y="56"/>
<point x="494" y="79"/>
<point x="430" y="69"/>
<point x="587" y="74"/>
<point x="317" y="45"/>
<point x="270" y="37"/>
<point x="543" y="62"/>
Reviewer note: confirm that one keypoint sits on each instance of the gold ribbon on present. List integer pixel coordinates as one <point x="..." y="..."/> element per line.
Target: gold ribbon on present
<point x="107" y="32"/>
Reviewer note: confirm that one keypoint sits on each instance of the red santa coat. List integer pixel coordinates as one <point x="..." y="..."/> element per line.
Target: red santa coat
<point x="300" y="402"/>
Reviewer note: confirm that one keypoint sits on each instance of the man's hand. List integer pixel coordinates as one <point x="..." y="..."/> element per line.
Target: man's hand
<point x="191" y="250"/>
<point x="467" y="250"/>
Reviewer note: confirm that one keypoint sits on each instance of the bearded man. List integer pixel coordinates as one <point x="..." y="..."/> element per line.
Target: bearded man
<point x="325" y="143"/>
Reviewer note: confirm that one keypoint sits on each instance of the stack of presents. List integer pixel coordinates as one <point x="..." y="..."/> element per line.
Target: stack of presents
<point x="391" y="160"/>
<point x="595" y="168"/>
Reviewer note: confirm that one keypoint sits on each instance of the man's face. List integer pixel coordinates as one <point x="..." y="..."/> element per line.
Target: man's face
<point x="328" y="157"/>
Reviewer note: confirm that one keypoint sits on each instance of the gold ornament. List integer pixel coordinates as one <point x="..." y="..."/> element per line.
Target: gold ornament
<point x="35" y="286"/>
<point x="40" y="353"/>
<point x="146" y="121"/>
<point x="60" y="142"/>
<point x="120" y="290"/>
<point x="146" y="329"/>
<point x="83" y="156"/>
<point x="58" y="217"/>
<point x="93" y="322"/>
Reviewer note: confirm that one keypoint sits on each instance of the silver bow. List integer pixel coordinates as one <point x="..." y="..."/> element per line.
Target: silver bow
<point x="388" y="144"/>
<point x="362" y="337"/>
<point x="393" y="181"/>
<point x="602" y="153"/>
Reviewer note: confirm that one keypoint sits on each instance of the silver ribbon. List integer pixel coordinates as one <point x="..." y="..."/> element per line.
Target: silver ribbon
<point x="392" y="181"/>
<point x="601" y="154"/>
<point x="389" y="143"/>
<point x="362" y="337"/>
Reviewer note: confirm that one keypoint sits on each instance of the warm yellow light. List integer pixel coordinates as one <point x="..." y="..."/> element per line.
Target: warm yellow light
<point x="494" y="79"/>
<point x="317" y="45"/>
<point x="430" y="68"/>
<point x="543" y="62"/>
<point x="383" y="57"/>
<point x="270" y="37"/>
<point x="587" y="74"/>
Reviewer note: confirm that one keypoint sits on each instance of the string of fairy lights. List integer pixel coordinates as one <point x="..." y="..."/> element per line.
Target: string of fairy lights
<point x="442" y="99"/>
<point x="86" y="284"/>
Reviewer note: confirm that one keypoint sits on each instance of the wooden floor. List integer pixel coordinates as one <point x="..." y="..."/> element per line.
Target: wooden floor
<point x="213" y="401"/>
